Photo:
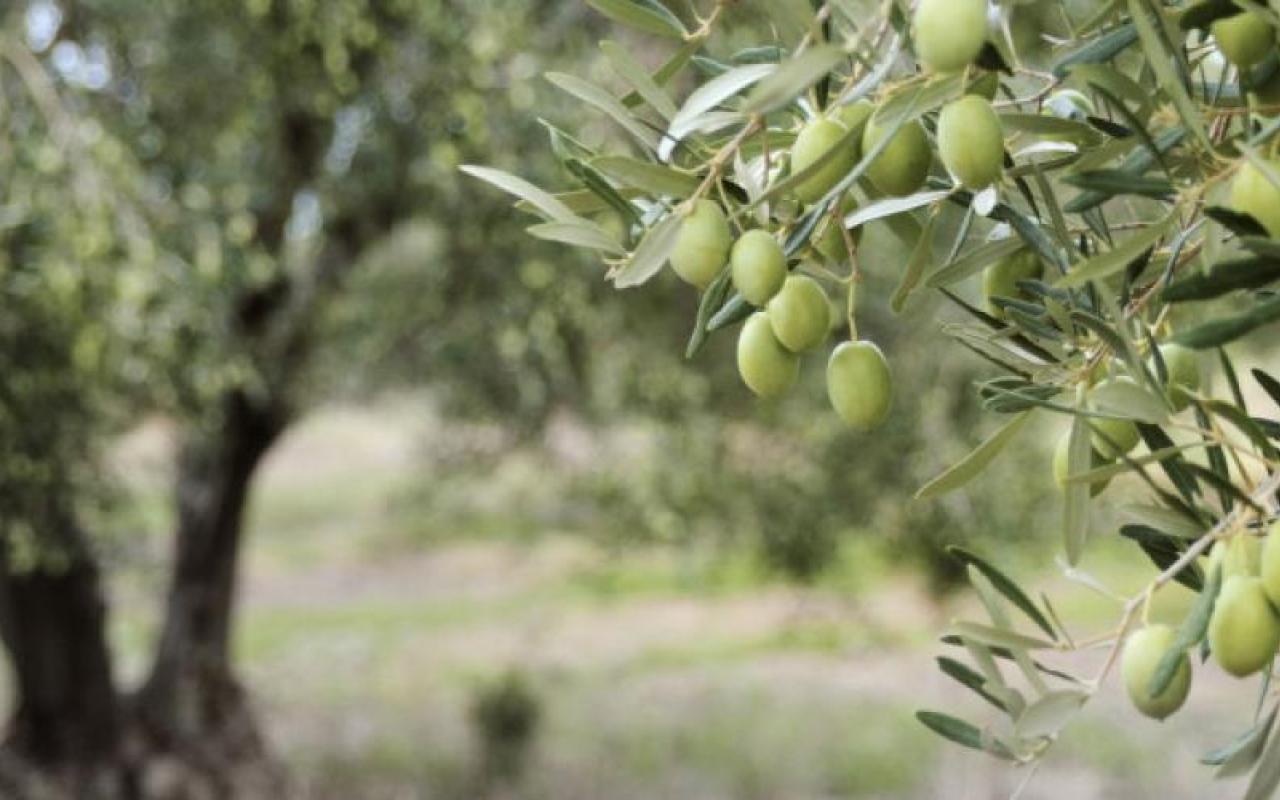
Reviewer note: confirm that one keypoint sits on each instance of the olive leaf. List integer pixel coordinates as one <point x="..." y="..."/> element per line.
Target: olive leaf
<point x="654" y="250"/>
<point x="972" y="465"/>
<point x="648" y="17"/>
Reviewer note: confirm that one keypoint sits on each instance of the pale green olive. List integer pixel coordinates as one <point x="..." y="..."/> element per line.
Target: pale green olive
<point x="1143" y="652"/>
<point x="1112" y="437"/>
<point x="1244" y="630"/>
<point x="766" y="367"/>
<point x="800" y="314"/>
<point x="903" y="165"/>
<point x="860" y="385"/>
<point x="1245" y="38"/>
<point x="759" y="266"/>
<point x="1183" y="367"/>
<point x="829" y="241"/>
<point x="854" y="118"/>
<point x="1001" y="279"/>
<point x="1062" y="466"/>
<point x="1253" y="194"/>
<point x="949" y="34"/>
<point x="702" y="245"/>
<point x="971" y="142"/>
<point x="816" y="139"/>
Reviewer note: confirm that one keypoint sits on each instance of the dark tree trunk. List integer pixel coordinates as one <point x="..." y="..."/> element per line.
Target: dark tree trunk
<point x="67" y="719"/>
<point x="192" y="703"/>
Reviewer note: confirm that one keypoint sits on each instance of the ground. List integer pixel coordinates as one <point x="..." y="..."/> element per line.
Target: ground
<point x="366" y="633"/>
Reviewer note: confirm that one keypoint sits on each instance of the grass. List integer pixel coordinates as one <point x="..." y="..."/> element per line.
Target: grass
<point x="372" y="614"/>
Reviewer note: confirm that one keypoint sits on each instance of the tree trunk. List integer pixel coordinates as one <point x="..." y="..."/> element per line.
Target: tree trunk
<point x="191" y="703"/>
<point x="67" y="720"/>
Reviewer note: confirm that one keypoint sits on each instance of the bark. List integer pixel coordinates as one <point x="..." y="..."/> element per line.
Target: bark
<point x="68" y="720"/>
<point x="192" y="702"/>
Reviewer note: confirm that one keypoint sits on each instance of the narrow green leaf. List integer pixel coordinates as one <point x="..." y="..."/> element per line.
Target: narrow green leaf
<point x="1006" y="587"/>
<point x="973" y="464"/>
<point x="1118" y="258"/>
<point x="1190" y="632"/>
<point x="597" y="97"/>
<point x="1162" y="59"/>
<point x="793" y="78"/>
<point x="1226" y="330"/>
<point x="647" y="176"/>
<point x="642" y="17"/>
<point x="960" y="732"/>
<point x="1049" y="715"/>
<point x="654" y="250"/>
<point x="539" y="199"/>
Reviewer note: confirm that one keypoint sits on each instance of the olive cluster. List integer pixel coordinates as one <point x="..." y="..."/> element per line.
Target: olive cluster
<point x="794" y="316"/>
<point x="1244" y="628"/>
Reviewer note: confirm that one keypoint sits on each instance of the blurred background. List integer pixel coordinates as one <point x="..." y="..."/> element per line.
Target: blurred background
<point x="452" y="518"/>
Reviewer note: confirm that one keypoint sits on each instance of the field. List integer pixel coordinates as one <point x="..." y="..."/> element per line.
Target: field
<point x="372" y="623"/>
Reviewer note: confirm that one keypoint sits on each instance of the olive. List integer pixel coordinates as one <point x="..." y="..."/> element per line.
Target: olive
<point x="1243" y="631"/>
<point x="800" y="314"/>
<point x="903" y="165"/>
<point x="854" y="118"/>
<point x="817" y="139"/>
<point x="1183" y="367"/>
<point x="860" y="385"/>
<point x="949" y="34"/>
<point x="1062" y="466"/>
<point x="702" y="245"/>
<point x="766" y="367"/>
<point x="971" y="142"/>
<point x="828" y="239"/>
<point x="1001" y="278"/>
<point x="1239" y="555"/>
<point x="759" y="266"/>
<point x="1245" y="38"/>
<point x="1270" y="566"/>
<point x="1114" y="437"/>
<point x="1143" y="652"/>
<point x="1253" y="194"/>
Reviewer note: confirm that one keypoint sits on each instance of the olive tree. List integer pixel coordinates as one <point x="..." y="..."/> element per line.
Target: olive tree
<point x="188" y="186"/>
<point x="1103" y="174"/>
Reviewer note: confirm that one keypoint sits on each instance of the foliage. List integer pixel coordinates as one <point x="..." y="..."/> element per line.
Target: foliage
<point x="1131" y="161"/>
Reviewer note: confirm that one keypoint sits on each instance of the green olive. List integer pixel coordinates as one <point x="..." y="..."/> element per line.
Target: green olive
<point x="949" y="34"/>
<point x="854" y="118"/>
<point x="1183" y="367"/>
<point x="1253" y="194"/>
<point x="1113" y="438"/>
<point x="1143" y="652"/>
<point x="860" y="385"/>
<point x="829" y="241"/>
<point x="1245" y="38"/>
<point x="971" y="142"/>
<point x="1062" y="466"/>
<point x="1239" y="555"/>
<point x="1243" y="631"/>
<point x="800" y="314"/>
<point x="1270" y="567"/>
<point x="817" y="139"/>
<point x="702" y="246"/>
<point x="903" y="165"/>
<point x="759" y="266"/>
<point x="1001" y="278"/>
<point x="766" y="367"/>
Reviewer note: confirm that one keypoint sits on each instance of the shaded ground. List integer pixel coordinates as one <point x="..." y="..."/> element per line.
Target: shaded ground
<point x="660" y="673"/>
